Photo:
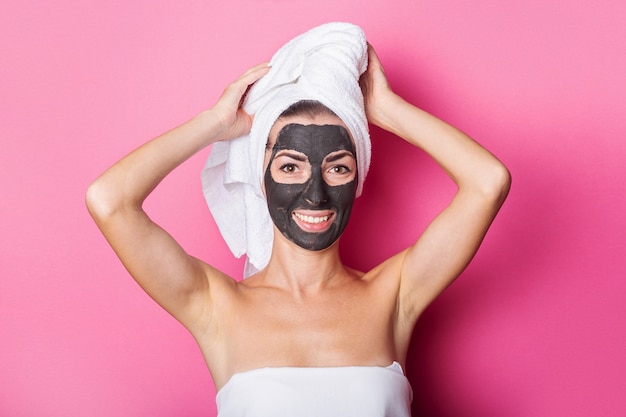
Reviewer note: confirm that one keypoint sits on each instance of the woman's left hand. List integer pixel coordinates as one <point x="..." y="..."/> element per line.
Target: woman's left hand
<point x="377" y="93"/>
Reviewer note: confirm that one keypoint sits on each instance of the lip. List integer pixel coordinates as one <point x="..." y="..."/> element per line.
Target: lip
<point x="313" y="221"/>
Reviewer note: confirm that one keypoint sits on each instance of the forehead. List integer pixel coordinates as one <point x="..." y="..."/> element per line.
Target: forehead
<point x="322" y="119"/>
<point x="314" y="141"/>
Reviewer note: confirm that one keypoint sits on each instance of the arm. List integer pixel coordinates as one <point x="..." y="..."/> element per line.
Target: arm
<point x="177" y="281"/>
<point x="450" y="241"/>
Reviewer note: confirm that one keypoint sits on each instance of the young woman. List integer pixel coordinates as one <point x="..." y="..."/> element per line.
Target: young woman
<point x="306" y="335"/>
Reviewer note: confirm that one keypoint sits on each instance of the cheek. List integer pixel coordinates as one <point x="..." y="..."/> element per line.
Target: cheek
<point x="344" y="195"/>
<point x="282" y="196"/>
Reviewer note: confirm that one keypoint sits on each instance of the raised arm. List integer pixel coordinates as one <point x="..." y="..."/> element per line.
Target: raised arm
<point x="176" y="280"/>
<point x="450" y="241"/>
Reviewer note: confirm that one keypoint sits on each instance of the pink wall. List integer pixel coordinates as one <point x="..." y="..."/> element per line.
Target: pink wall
<point x="535" y="327"/>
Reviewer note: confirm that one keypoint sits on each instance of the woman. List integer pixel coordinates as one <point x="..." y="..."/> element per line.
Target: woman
<point x="305" y="326"/>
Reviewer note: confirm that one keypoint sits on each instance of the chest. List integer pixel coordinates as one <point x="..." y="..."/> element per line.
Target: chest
<point x="334" y="328"/>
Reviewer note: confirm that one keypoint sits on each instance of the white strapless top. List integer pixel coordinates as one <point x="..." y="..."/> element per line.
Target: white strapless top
<point x="346" y="391"/>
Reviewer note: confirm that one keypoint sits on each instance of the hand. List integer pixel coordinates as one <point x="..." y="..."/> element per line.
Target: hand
<point x="234" y="121"/>
<point x="376" y="90"/>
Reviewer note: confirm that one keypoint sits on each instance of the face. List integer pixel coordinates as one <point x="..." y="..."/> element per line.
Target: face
<point x="310" y="183"/>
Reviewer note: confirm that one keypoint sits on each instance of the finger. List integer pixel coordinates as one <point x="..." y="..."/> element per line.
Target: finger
<point x="243" y="96"/>
<point x="250" y="77"/>
<point x="374" y="61"/>
<point x="261" y="68"/>
<point x="236" y="90"/>
<point x="243" y="83"/>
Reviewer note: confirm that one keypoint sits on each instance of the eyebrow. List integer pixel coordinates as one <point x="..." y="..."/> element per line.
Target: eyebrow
<point x="296" y="156"/>
<point x="339" y="155"/>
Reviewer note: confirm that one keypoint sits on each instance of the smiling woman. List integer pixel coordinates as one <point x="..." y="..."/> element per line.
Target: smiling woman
<point x="304" y="334"/>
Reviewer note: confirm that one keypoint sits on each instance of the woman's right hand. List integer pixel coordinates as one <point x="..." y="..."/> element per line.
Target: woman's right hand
<point x="233" y="120"/>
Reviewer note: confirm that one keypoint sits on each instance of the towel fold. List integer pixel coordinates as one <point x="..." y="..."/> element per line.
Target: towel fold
<point x="323" y="64"/>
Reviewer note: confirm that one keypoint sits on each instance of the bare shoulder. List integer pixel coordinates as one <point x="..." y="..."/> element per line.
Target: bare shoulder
<point x="387" y="272"/>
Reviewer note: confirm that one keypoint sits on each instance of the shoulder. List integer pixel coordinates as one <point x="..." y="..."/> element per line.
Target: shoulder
<point x="384" y="280"/>
<point x="387" y="272"/>
<point x="389" y="278"/>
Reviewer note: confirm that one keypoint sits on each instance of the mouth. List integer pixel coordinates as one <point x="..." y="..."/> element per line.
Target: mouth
<point x="313" y="222"/>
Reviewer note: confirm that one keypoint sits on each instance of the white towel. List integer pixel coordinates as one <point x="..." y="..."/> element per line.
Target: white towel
<point x="323" y="64"/>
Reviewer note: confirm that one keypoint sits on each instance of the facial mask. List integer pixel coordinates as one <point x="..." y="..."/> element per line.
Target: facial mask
<point x="314" y="195"/>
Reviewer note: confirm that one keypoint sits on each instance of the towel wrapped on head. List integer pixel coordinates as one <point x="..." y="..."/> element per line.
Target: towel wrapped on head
<point x="323" y="64"/>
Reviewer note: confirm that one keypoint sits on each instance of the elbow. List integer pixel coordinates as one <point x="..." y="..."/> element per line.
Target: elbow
<point x="100" y="201"/>
<point x="497" y="184"/>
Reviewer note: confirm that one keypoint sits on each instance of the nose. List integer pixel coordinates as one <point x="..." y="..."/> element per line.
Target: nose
<point x="315" y="191"/>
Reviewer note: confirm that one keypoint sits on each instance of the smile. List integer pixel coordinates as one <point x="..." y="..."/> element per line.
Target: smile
<point x="312" y="219"/>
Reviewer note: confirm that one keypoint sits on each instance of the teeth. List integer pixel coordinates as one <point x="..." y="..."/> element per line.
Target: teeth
<point x="311" y="219"/>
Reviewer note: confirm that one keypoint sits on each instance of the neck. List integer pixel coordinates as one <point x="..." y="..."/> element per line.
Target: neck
<point x="300" y="270"/>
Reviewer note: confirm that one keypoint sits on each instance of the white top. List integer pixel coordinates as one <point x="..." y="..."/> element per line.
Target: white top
<point x="360" y="391"/>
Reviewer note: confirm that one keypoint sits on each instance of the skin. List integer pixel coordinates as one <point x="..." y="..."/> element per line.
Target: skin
<point x="305" y="308"/>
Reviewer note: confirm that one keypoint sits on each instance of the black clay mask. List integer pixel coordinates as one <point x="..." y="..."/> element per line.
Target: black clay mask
<point x="313" y="210"/>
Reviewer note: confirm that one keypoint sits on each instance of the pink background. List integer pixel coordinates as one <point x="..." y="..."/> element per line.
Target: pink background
<point x="536" y="326"/>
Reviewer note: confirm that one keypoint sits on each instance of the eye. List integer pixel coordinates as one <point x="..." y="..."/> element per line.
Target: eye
<point x="340" y="169"/>
<point x="289" y="168"/>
